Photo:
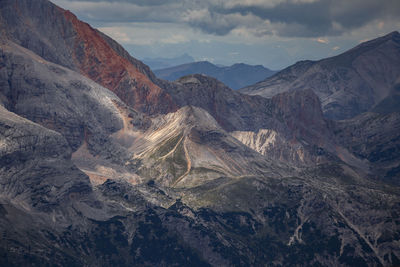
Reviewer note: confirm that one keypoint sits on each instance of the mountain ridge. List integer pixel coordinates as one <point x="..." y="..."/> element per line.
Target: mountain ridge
<point x="235" y="76"/>
<point x="162" y="63"/>
<point x="368" y="77"/>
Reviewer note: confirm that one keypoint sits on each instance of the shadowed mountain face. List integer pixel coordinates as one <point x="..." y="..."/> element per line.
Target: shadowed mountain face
<point x="348" y="84"/>
<point x="374" y="137"/>
<point x="103" y="164"/>
<point x="235" y="76"/>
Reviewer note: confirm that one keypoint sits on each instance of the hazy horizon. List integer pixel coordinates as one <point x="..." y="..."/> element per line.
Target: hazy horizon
<point x="274" y="33"/>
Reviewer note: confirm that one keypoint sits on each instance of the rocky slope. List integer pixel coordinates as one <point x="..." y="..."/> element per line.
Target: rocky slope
<point x="85" y="113"/>
<point x="225" y="180"/>
<point x="347" y="84"/>
<point x="188" y="148"/>
<point x="110" y="140"/>
<point x="235" y="76"/>
<point x="59" y="37"/>
<point x="50" y="214"/>
<point x="246" y="221"/>
<point x="240" y="221"/>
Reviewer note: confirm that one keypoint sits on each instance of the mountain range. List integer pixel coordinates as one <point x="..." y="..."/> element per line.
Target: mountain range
<point x="102" y="163"/>
<point x="163" y="62"/>
<point x="236" y="76"/>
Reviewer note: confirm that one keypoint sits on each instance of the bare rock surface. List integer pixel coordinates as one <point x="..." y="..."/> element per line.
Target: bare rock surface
<point x="212" y="178"/>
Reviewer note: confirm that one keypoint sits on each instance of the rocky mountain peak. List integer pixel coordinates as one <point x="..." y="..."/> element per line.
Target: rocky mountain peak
<point x="393" y="36"/>
<point x="60" y="37"/>
<point x="195" y="116"/>
<point x="347" y="84"/>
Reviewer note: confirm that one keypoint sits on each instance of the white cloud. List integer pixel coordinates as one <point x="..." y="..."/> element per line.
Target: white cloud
<point x="322" y="40"/>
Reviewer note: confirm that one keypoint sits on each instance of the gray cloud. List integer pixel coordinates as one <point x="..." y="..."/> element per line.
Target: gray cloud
<point x="316" y="18"/>
<point x="135" y="2"/>
<point x="298" y="19"/>
<point x="295" y="18"/>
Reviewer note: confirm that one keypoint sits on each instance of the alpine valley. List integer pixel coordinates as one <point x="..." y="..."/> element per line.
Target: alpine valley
<point x="104" y="164"/>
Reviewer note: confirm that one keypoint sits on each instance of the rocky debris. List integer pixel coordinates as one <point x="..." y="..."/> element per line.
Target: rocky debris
<point x="348" y="84"/>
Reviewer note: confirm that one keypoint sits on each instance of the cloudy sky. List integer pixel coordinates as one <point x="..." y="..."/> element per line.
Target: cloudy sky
<point x="273" y="33"/>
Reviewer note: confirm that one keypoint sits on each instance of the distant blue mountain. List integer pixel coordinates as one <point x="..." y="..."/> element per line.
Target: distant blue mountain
<point x="161" y="63"/>
<point x="236" y="76"/>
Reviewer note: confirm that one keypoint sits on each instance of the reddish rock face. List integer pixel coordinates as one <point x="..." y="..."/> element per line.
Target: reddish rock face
<point x="98" y="61"/>
<point x="59" y="37"/>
